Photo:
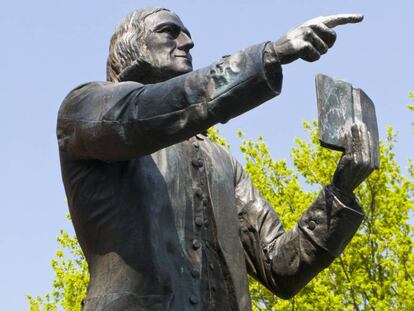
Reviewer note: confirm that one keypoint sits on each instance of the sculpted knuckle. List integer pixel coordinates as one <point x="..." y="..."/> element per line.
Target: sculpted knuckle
<point x="323" y="49"/>
<point x="332" y="38"/>
<point x="307" y="47"/>
<point x="320" y="28"/>
<point x="295" y="43"/>
<point x="362" y="164"/>
<point x="321" y="25"/>
<point x="307" y="32"/>
<point x="315" y="58"/>
<point x="348" y="156"/>
<point x="355" y="163"/>
<point x="366" y="163"/>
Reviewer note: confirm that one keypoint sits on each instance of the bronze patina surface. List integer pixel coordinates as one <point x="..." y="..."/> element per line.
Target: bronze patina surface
<point x="167" y="219"/>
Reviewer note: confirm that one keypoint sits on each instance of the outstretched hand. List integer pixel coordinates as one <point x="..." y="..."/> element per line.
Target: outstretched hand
<point x="312" y="39"/>
<point x="357" y="162"/>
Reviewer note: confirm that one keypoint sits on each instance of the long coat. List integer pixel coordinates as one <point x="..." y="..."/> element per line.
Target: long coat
<point x="166" y="218"/>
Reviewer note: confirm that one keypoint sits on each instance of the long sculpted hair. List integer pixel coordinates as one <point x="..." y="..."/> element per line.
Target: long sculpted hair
<point x="125" y="60"/>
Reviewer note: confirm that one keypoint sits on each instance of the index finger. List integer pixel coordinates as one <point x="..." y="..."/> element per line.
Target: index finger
<point x="332" y="21"/>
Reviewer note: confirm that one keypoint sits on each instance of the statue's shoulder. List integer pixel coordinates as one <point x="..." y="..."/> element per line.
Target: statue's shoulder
<point x="81" y="90"/>
<point x="102" y="86"/>
<point x="87" y="87"/>
<point x="96" y="90"/>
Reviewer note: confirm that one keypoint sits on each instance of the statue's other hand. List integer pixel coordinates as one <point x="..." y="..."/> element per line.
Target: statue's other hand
<point x="357" y="162"/>
<point x="311" y="39"/>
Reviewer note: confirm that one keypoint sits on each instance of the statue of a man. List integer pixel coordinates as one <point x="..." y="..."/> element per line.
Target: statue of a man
<point x="167" y="219"/>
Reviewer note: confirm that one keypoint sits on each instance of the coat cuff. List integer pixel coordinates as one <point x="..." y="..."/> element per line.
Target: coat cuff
<point x="273" y="68"/>
<point x="250" y="76"/>
<point x="330" y="223"/>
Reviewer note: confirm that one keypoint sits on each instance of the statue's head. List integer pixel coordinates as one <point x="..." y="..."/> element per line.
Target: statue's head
<point x="149" y="45"/>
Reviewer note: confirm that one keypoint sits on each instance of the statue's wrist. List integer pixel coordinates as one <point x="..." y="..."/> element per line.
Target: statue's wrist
<point x="347" y="197"/>
<point x="270" y="56"/>
<point x="272" y="67"/>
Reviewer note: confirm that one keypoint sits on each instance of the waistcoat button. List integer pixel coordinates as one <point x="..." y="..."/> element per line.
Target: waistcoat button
<point x="197" y="163"/>
<point x="193" y="299"/>
<point x="199" y="192"/>
<point x="195" y="273"/>
<point x="198" y="221"/>
<point x="311" y="225"/>
<point x="196" y="244"/>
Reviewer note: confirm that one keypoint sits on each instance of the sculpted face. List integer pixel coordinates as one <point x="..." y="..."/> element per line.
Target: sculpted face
<point x="167" y="44"/>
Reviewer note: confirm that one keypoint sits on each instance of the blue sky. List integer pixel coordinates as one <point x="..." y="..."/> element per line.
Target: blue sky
<point x="49" y="47"/>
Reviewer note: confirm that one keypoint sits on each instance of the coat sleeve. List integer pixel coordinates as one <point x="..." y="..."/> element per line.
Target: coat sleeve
<point x="286" y="261"/>
<point x="119" y="121"/>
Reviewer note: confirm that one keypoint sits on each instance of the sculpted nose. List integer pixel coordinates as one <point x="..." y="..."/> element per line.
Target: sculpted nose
<point x="185" y="42"/>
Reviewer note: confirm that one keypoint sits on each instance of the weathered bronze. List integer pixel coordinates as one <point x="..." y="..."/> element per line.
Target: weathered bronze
<point x="167" y="219"/>
<point x="347" y="121"/>
<point x="340" y="106"/>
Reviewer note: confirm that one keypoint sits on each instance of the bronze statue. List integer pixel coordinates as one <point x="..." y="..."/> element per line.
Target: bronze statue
<point x="167" y="219"/>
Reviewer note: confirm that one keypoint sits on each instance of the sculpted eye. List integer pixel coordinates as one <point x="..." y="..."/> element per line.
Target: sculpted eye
<point x="171" y="30"/>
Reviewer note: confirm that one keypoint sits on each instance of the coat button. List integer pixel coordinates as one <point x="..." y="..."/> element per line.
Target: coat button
<point x="311" y="225"/>
<point x="199" y="193"/>
<point x="198" y="221"/>
<point x="211" y="267"/>
<point x="197" y="163"/>
<point x="196" y="244"/>
<point x="193" y="299"/>
<point x="195" y="273"/>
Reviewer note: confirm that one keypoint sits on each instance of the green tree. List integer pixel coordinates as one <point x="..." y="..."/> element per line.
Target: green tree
<point x="411" y="107"/>
<point x="71" y="278"/>
<point x="376" y="270"/>
<point x="411" y="95"/>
